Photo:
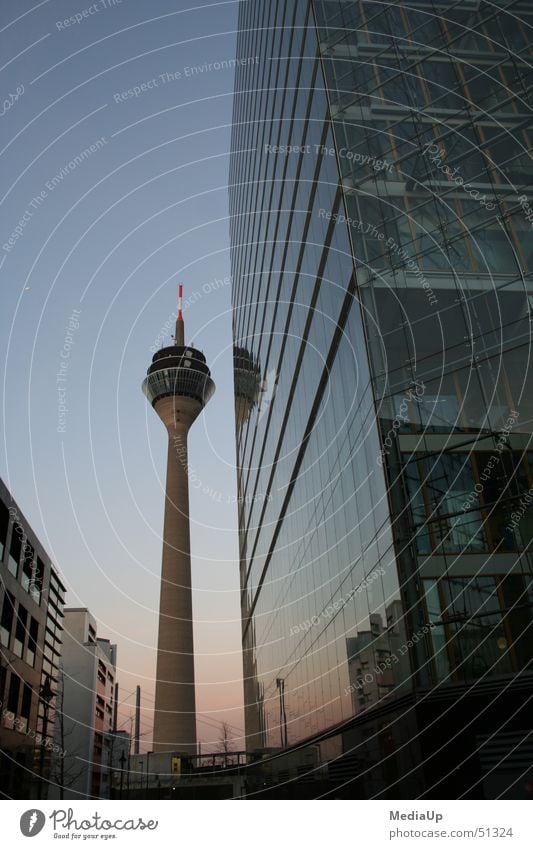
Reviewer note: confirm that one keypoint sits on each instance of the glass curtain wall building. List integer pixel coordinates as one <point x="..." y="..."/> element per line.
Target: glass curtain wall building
<point x="382" y="244"/>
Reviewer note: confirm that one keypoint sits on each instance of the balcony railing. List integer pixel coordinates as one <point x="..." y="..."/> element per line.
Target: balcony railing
<point x="178" y="381"/>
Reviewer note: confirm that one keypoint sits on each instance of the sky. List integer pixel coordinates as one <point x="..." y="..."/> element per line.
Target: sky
<point x="114" y="147"/>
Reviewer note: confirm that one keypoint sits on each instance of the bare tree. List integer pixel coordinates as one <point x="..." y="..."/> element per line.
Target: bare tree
<point x="61" y="774"/>
<point x="225" y="741"/>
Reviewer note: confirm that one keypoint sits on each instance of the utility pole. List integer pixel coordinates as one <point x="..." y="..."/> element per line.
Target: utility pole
<point x="137" y="720"/>
<point x="280" y="684"/>
<point x="122" y="762"/>
<point x="45" y="696"/>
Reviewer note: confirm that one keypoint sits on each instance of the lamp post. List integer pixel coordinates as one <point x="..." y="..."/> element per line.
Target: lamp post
<point x="45" y="695"/>
<point x="280" y="684"/>
<point x="122" y="762"/>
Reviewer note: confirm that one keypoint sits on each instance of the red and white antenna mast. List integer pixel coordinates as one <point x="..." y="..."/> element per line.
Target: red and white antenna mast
<point x="179" y="338"/>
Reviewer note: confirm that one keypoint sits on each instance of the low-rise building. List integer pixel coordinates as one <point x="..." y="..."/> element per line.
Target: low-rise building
<point x="84" y="730"/>
<point x="31" y="614"/>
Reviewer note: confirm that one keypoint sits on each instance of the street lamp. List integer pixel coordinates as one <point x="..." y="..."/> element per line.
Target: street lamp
<point x="122" y="762"/>
<point x="46" y="694"/>
<point x="280" y="684"/>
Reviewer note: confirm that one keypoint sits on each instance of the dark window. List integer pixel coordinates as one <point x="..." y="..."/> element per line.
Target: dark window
<point x="3" y="677"/>
<point x="25" y="706"/>
<point x="516" y="590"/>
<point x="27" y="566"/>
<point x="4" y="524"/>
<point x="20" y="631"/>
<point x="15" y="548"/>
<point x="471" y="633"/>
<point x="13" y="696"/>
<point x="439" y="490"/>
<point x="6" y="623"/>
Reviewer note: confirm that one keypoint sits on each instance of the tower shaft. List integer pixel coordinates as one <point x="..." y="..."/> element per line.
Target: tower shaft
<point x="175" y="707"/>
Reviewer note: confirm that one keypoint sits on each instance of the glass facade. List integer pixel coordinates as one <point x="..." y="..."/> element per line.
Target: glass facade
<point x="382" y="241"/>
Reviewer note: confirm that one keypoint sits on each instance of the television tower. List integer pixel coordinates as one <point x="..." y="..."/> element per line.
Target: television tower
<point x="178" y="385"/>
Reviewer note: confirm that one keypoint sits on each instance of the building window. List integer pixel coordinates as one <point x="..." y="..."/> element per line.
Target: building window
<point x="20" y="631"/>
<point x="36" y="584"/>
<point x="4" y="524"/>
<point x="6" y="623"/>
<point x="25" y="708"/>
<point x="32" y="642"/>
<point x="13" y="695"/>
<point x="464" y="503"/>
<point x="27" y="567"/>
<point x="471" y="635"/>
<point x="3" y="679"/>
<point x="15" y="549"/>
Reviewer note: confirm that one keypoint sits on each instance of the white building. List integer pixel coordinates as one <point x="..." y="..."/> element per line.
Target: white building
<point x="85" y="708"/>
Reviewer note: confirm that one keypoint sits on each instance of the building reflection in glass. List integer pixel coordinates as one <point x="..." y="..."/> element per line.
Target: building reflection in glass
<point x="393" y="301"/>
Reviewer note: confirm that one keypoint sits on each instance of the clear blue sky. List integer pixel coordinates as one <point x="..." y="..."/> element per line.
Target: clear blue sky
<point x="110" y="234"/>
